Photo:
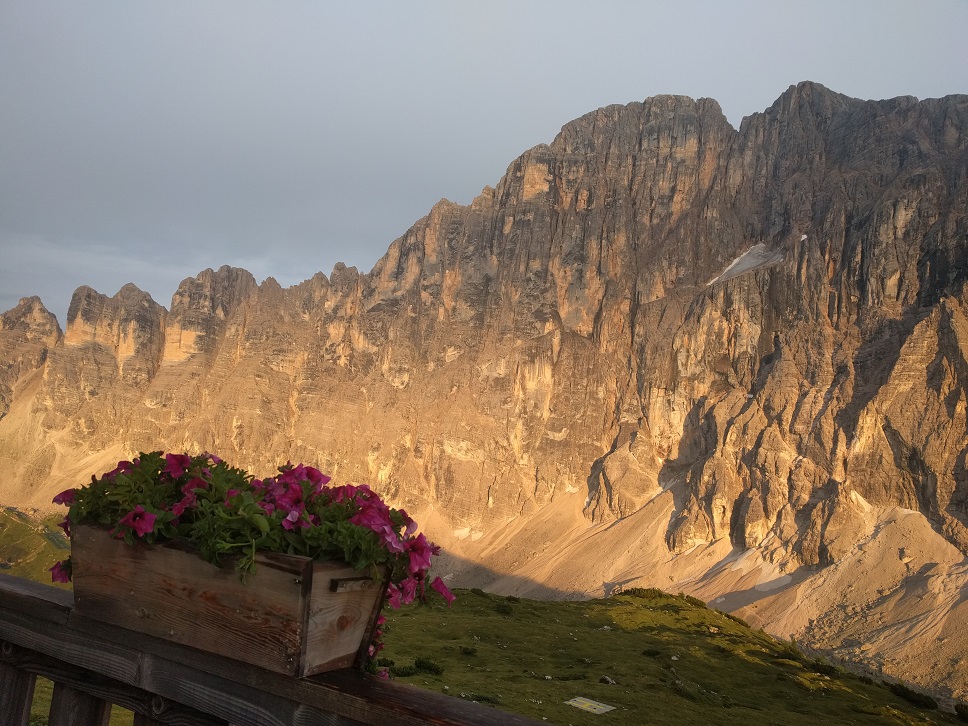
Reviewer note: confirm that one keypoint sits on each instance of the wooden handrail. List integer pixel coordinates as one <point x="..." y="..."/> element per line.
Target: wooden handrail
<point x="94" y="665"/>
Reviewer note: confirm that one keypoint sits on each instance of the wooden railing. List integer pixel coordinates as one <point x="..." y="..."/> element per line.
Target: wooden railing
<point x="93" y="665"/>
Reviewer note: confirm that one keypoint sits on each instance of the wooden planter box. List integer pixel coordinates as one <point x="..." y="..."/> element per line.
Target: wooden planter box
<point x="293" y="615"/>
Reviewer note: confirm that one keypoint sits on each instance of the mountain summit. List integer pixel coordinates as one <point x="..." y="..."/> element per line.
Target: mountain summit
<point x="659" y="352"/>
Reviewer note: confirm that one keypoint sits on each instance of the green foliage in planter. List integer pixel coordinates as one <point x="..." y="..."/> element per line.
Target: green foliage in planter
<point x="223" y="511"/>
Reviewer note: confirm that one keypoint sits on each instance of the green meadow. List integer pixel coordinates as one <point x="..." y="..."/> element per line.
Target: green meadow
<point x="28" y="546"/>
<point x="654" y="658"/>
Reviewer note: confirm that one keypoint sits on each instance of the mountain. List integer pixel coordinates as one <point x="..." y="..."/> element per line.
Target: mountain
<point x="660" y="352"/>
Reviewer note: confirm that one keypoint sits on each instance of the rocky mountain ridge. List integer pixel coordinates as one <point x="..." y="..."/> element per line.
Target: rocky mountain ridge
<point x="563" y="383"/>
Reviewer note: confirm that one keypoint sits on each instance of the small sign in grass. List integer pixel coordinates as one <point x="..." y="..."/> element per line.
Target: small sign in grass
<point x="587" y="704"/>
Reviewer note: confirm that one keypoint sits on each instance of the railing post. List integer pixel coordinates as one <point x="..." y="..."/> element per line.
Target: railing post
<point x="16" y="694"/>
<point x="158" y="706"/>
<point x="70" y="707"/>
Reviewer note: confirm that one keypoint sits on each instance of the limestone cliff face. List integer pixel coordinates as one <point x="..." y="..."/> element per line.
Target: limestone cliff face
<point x="27" y="334"/>
<point x="754" y="340"/>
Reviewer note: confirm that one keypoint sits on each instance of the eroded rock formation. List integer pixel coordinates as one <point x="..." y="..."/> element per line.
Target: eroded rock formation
<point x="562" y="380"/>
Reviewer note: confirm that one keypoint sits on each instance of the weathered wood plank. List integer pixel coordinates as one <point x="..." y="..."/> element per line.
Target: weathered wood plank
<point x="174" y="595"/>
<point x="134" y="699"/>
<point x="181" y="683"/>
<point x="41" y="601"/>
<point x="62" y="643"/>
<point x="16" y="694"/>
<point x="285" y="617"/>
<point x="71" y="707"/>
<point x="342" y="614"/>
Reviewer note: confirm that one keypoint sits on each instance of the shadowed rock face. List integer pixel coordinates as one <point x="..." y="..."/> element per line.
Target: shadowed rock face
<point x="565" y="343"/>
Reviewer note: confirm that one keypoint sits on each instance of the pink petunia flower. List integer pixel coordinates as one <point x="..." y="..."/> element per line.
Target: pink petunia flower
<point x="288" y="495"/>
<point x="317" y="478"/>
<point x="193" y="484"/>
<point x="421" y="550"/>
<point x="65" y="497"/>
<point x="376" y="516"/>
<point x="393" y="597"/>
<point x="122" y="468"/>
<point x="139" y="520"/>
<point x="411" y="525"/>
<point x="60" y="572"/>
<point x="179" y="507"/>
<point x="177" y="464"/>
<point x="408" y="590"/>
<point x="440" y="587"/>
<point x="349" y="492"/>
<point x="295" y="519"/>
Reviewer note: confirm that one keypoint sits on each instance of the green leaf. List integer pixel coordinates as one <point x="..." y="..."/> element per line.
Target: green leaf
<point x="261" y="522"/>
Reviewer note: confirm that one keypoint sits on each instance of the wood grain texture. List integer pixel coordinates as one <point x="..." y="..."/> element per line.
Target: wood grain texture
<point x="137" y="700"/>
<point x="283" y="618"/>
<point x="341" y="619"/>
<point x="71" y="707"/>
<point x="42" y="601"/>
<point x="16" y="695"/>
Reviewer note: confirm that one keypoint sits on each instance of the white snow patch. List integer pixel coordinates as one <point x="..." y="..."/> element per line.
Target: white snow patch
<point x="857" y="499"/>
<point x="757" y="256"/>
<point x="773" y="584"/>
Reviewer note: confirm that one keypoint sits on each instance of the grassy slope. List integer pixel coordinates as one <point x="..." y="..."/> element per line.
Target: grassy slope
<point x="29" y="547"/>
<point x="674" y="661"/>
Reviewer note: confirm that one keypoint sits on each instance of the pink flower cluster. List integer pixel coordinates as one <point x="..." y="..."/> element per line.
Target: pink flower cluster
<point x="66" y="497"/>
<point x="60" y="572"/>
<point x="294" y="499"/>
<point x="285" y="493"/>
<point x="374" y="514"/>
<point x="139" y="521"/>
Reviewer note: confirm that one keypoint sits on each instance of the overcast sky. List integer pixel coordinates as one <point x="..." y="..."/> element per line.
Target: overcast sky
<point x="145" y="141"/>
